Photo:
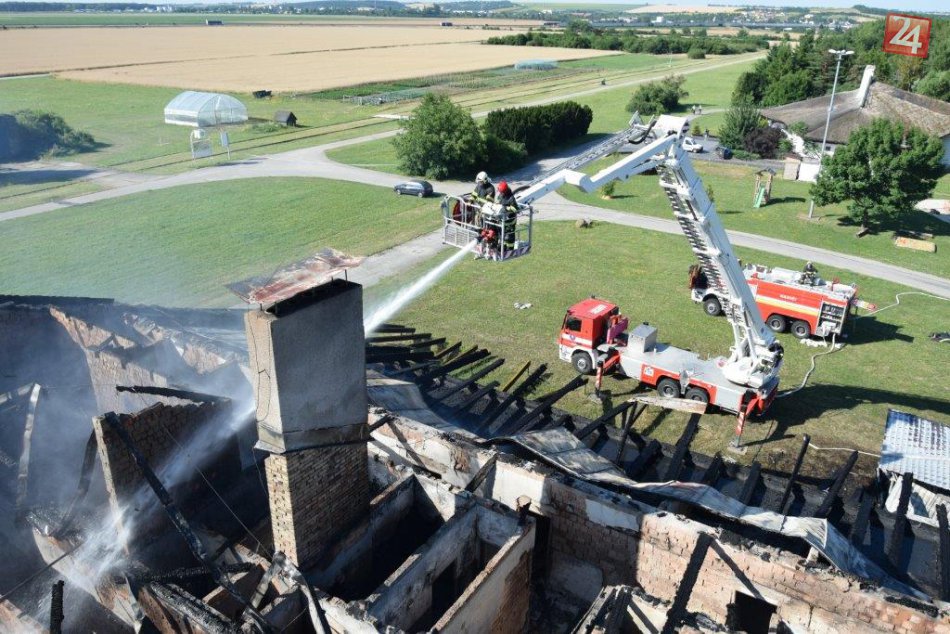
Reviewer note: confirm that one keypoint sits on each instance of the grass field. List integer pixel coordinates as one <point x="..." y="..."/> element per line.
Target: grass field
<point x="888" y="361"/>
<point x="609" y="106"/>
<point x="732" y="187"/>
<point x="180" y="246"/>
<point x="129" y="120"/>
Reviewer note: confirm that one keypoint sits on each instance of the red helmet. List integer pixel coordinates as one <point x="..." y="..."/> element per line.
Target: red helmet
<point x="503" y="187"/>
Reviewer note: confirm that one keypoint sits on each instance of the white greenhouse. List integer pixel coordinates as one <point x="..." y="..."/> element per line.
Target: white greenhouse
<point x="204" y="110"/>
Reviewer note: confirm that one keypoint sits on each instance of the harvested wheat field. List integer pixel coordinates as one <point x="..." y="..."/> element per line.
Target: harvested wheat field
<point x="24" y="51"/>
<point x="307" y="72"/>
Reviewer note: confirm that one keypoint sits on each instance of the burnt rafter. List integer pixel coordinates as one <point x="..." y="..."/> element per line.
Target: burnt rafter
<point x="181" y="524"/>
<point x="473" y="380"/>
<point x="682" y="446"/>
<point x="451" y="366"/>
<point x="806" y="440"/>
<point x="513" y="396"/>
<point x="527" y="422"/>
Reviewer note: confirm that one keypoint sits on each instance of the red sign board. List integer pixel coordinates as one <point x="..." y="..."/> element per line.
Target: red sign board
<point x="906" y="35"/>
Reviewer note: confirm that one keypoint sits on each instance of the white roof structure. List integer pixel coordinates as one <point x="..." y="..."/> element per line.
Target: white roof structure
<point x="919" y="446"/>
<point x="204" y="110"/>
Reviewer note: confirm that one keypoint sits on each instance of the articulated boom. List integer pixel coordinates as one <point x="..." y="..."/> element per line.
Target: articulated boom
<point x="756" y="355"/>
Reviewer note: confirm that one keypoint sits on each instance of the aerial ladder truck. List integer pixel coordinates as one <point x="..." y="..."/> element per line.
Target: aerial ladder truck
<point x="594" y="336"/>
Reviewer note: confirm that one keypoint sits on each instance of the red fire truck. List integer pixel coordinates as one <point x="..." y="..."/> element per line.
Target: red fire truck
<point x="594" y="337"/>
<point x="799" y="301"/>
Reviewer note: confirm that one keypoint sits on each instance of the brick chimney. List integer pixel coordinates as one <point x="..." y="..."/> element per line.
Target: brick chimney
<point x="307" y="356"/>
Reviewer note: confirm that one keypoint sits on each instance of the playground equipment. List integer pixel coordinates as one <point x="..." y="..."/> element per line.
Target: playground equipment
<point x="763" y="187"/>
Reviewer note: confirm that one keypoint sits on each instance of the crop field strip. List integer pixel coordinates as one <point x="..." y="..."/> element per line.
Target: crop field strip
<point x="53" y="50"/>
<point x="316" y="71"/>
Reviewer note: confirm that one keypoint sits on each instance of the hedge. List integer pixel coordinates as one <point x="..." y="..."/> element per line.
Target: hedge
<point x="539" y="128"/>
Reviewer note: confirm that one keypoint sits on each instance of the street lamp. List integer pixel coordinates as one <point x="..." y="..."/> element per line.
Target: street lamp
<point x="840" y="54"/>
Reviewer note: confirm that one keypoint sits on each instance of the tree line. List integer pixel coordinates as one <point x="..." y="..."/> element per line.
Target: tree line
<point x="791" y="74"/>
<point x="630" y="42"/>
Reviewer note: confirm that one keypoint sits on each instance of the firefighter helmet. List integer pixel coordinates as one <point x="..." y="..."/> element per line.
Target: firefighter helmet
<point x="481" y="178"/>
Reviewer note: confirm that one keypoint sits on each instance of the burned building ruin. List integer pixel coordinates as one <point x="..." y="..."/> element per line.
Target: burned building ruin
<point x="275" y="469"/>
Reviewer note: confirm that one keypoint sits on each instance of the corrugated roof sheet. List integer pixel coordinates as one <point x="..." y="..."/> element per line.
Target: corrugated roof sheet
<point x="916" y="445"/>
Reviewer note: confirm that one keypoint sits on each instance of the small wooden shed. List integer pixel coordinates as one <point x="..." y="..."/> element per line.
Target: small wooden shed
<point x="286" y="117"/>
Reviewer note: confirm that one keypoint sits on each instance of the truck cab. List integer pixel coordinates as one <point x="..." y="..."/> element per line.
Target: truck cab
<point x="588" y="325"/>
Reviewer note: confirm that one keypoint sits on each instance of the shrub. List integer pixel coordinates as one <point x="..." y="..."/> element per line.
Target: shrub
<point x="696" y="52"/>
<point x="740" y="121"/>
<point x="762" y="141"/>
<point x="28" y="134"/>
<point x="503" y="155"/>
<point x="658" y="97"/>
<point x="608" y="189"/>
<point x="743" y="155"/>
<point x="538" y="128"/>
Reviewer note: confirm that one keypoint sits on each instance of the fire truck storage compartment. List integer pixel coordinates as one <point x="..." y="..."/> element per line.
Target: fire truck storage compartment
<point x="642" y="339"/>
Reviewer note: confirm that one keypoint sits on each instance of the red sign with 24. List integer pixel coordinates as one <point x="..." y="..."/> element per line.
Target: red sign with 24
<point x="906" y="35"/>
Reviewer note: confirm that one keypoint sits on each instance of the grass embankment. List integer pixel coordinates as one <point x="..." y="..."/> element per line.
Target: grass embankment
<point x="733" y="186"/>
<point x="180" y="246"/>
<point x="887" y="362"/>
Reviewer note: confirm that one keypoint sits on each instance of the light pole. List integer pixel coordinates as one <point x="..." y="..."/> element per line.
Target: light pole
<point x="840" y="54"/>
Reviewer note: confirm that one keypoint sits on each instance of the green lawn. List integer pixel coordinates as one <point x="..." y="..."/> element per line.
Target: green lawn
<point x="180" y="246"/>
<point x="19" y="196"/>
<point x="732" y="187"/>
<point x="888" y="361"/>
<point x="704" y="88"/>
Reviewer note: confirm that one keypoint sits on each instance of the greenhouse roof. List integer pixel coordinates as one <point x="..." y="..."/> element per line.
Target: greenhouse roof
<point x="204" y="110"/>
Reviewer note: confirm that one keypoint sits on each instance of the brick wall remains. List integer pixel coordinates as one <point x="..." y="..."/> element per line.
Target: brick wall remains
<point x="656" y="555"/>
<point x="153" y="431"/>
<point x="315" y="496"/>
<point x="512" y="613"/>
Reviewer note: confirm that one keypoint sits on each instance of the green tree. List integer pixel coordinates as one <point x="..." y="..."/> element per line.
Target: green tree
<point x="935" y="84"/>
<point x="439" y="140"/>
<point x="658" y="97"/>
<point x="883" y="170"/>
<point x="740" y="121"/>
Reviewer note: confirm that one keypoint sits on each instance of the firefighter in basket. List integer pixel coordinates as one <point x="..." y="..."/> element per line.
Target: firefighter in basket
<point x="509" y="212"/>
<point x="484" y="189"/>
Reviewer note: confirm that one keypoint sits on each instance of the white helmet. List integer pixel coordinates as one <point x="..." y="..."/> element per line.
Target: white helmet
<point x="481" y="178"/>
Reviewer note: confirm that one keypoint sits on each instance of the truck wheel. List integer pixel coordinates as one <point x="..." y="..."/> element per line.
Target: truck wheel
<point x="712" y="306"/>
<point x="776" y="323"/>
<point x="582" y="363"/>
<point x="801" y="329"/>
<point x="696" y="394"/>
<point x="668" y="388"/>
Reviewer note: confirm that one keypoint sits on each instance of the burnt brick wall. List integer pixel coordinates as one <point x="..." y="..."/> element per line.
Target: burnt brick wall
<point x="151" y="431"/>
<point x="512" y="613"/>
<point x="315" y="496"/>
<point x="654" y="551"/>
